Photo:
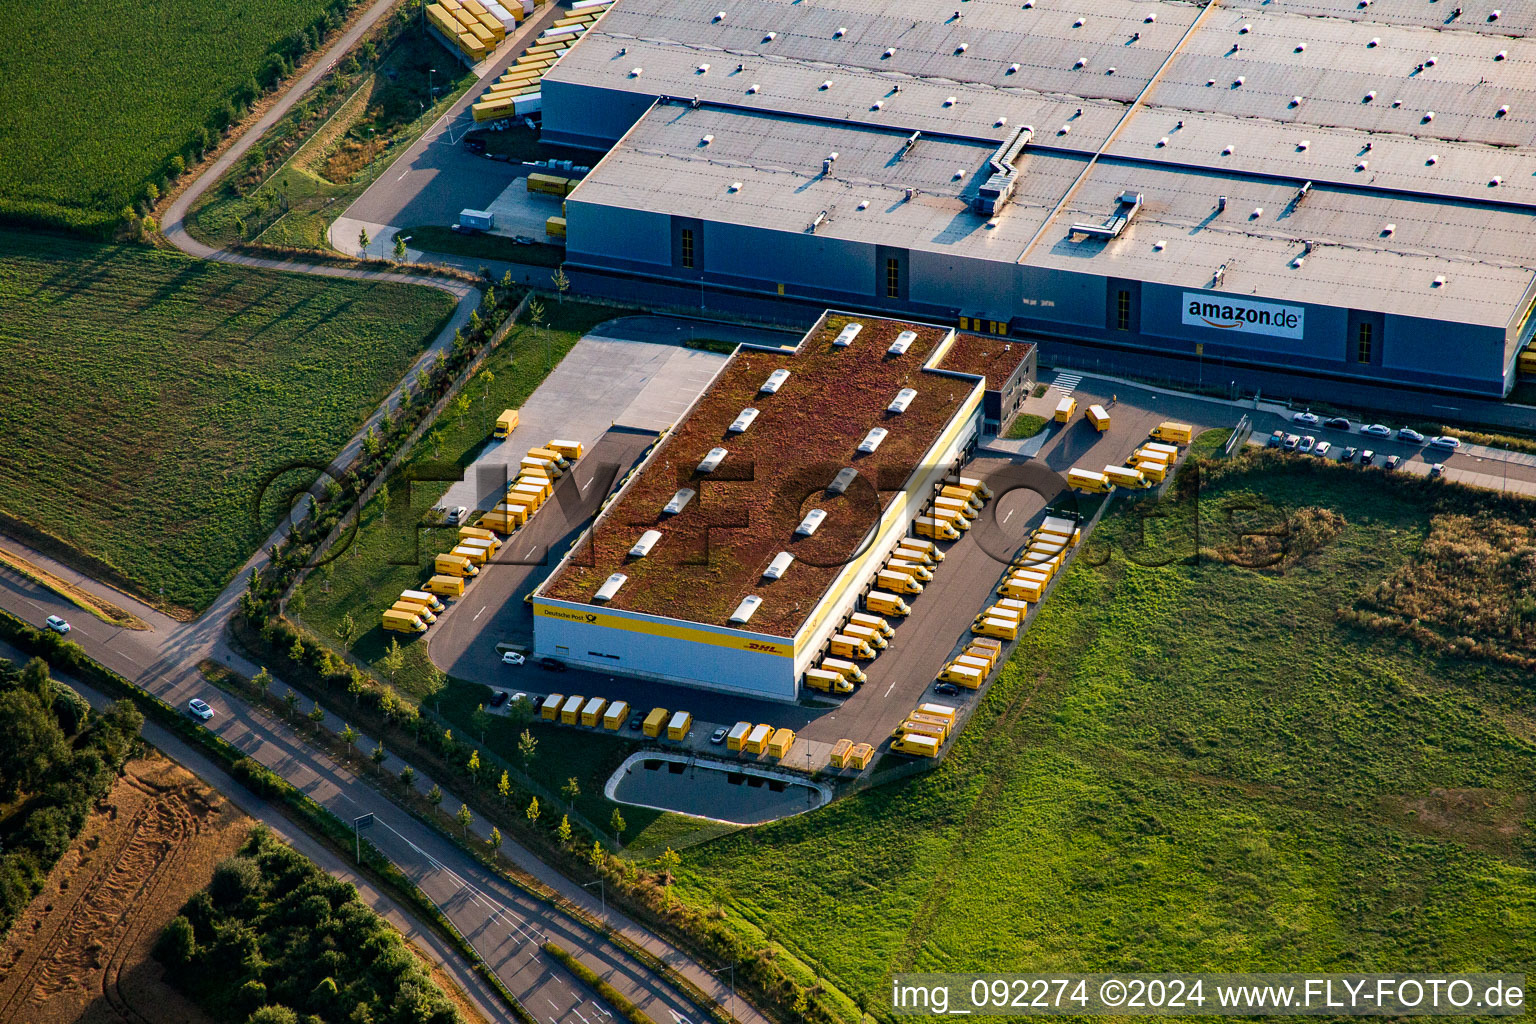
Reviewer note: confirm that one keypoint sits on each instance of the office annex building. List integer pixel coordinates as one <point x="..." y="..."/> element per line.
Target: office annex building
<point x="1343" y="186"/>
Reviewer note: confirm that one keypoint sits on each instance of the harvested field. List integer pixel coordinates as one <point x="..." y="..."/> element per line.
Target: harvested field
<point x="81" y="952"/>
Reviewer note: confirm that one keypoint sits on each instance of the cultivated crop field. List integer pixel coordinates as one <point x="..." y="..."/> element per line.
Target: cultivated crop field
<point x="148" y="396"/>
<point x="98" y="97"/>
<point x="81" y="952"/>
<point x="1194" y="765"/>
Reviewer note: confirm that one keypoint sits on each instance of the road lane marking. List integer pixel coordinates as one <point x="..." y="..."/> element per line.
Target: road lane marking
<point x="479" y="613"/>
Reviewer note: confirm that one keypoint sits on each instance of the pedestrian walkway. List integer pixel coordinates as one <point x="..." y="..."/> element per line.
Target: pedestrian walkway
<point x="1066" y="383"/>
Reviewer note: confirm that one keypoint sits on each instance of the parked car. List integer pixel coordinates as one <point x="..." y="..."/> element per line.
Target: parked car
<point x="1367" y="457"/>
<point x="1437" y="470"/>
<point x="1337" y="423"/>
<point x="1410" y="435"/>
<point x="1348" y="455"/>
<point x="499" y="697"/>
<point x="57" y="624"/>
<point x="636" y="721"/>
<point x="1290" y="442"/>
<point x="199" y="709"/>
<point x="1322" y="449"/>
<point x="718" y="736"/>
<point x="946" y="689"/>
<point x="1306" y="419"/>
<point x="1445" y="441"/>
<point x="1393" y="461"/>
<point x="512" y="658"/>
<point x="457" y="515"/>
<point x="552" y="664"/>
<point x="1305" y="445"/>
<point x="1276" y="439"/>
<point x="1376" y="430"/>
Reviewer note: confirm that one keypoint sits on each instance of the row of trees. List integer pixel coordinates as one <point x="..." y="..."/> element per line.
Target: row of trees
<point x="275" y="940"/>
<point x="57" y="757"/>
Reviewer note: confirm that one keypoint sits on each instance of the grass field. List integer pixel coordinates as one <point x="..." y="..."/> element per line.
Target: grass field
<point x="148" y="395"/>
<point x="1186" y="765"/>
<point x="1026" y="425"/>
<point x="370" y="569"/>
<point x="98" y="98"/>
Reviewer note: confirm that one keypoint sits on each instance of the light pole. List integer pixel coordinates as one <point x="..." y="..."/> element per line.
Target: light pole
<point x="431" y="90"/>
<point x="602" y="893"/>
<point x="732" y="968"/>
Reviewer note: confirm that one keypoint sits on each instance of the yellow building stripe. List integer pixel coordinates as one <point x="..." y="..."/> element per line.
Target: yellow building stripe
<point x="589" y="617"/>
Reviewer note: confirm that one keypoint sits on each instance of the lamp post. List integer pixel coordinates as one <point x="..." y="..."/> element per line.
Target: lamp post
<point x="602" y="893"/>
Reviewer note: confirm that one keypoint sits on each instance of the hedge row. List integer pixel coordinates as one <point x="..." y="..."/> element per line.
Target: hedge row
<point x="611" y="995"/>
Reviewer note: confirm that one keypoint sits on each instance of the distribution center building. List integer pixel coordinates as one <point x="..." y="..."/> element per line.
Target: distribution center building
<point x="748" y="534"/>
<point x="1340" y="187"/>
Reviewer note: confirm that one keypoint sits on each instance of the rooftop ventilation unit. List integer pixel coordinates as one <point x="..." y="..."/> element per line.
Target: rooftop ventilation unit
<point x="820" y="218"/>
<point x="995" y="192"/>
<point x="809" y="524"/>
<point x="872" y="440"/>
<point x="742" y="421"/>
<point x="1128" y="205"/>
<point x="846" y="335"/>
<point x="752" y="89"/>
<point x="679" y="501"/>
<point x="775" y="381"/>
<point x="779" y="566"/>
<point x="906" y="147"/>
<point x="643" y="546"/>
<point x="890" y="51"/>
<point x="902" y="400"/>
<point x="610" y="587"/>
<point x="706" y="140"/>
<point x="843" y="481"/>
<point x="712" y="461"/>
<point x="903" y="342"/>
<point x="743" y="612"/>
<point x="703" y="69"/>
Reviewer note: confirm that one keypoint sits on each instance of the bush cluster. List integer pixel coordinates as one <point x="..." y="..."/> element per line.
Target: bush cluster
<point x="56" y="759"/>
<point x="275" y="939"/>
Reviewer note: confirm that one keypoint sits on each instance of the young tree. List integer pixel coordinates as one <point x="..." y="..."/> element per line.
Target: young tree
<point x="494" y="841"/>
<point x="536" y="319"/>
<point x="355" y="687"/>
<point x="596" y="856"/>
<point x="317" y="716"/>
<point x="346" y="630"/>
<point x="348" y="735"/>
<point x="407" y="776"/>
<point x="618" y="825"/>
<point x="504" y="787"/>
<point x="394" y="659"/>
<point x="400" y="248"/>
<point x="436" y="437"/>
<point x="436" y="678"/>
<point x="378" y="756"/>
<point x="533" y="811"/>
<point x="461" y="408"/>
<point x="362" y="241"/>
<point x="465" y="818"/>
<point x="486" y="379"/>
<point x="434" y="795"/>
<point x="561" y="282"/>
<point x="296" y="650"/>
<point x="262" y="681"/>
<point x="527" y="747"/>
<point x="571" y="790"/>
<point x="474" y="765"/>
<point x="669" y="862"/>
<point x="564" y="831"/>
<point x="481" y="720"/>
<point x="292" y="700"/>
<point x="372" y="443"/>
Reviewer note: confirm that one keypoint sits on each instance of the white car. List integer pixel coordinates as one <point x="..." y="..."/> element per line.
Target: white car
<point x="1322" y="449"/>
<point x="1306" y="419"/>
<point x="199" y="709"/>
<point x="1445" y="441"/>
<point x="57" y="624"/>
<point x="1376" y="430"/>
<point x="457" y="515"/>
<point x="1305" y="446"/>
<point x="513" y="658"/>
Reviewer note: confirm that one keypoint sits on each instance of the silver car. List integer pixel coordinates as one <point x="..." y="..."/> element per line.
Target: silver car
<point x="199" y="709"/>
<point x="1445" y="441"/>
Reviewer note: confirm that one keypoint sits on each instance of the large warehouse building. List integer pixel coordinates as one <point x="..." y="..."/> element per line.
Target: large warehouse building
<point x="1331" y="185"/>
<point x="746" y="537"/>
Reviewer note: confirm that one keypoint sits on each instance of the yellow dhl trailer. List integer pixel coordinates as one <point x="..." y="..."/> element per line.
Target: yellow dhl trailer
<point x="1024" y="589"/>
<point x="959" y="505"/>
<point x="538" y="479"/>
<point x="479" y="533"/>
<point x="554" y="227"/>
<point x="850" y="647"/>
<point x="1157" y="472"/>
<point x="613" y="718"/>
<point x="971" y="498"/>
<point x="956" y="521"/>
<point x="917" y="556"/>
<point x="1173" y="433"/>
<point x="550" y="455"/>
<point x="454" y="565"/>
<point x="533" y="466"/>
<point x="736" y="739"/>
<point x="895" y="581"/>
<point x="1065" y="408"/>
<point x="847" y="670"/>
<point x="505" y="423"/>
<point x="886" y="604"/>
<point x="422" y="597"/>
<point x="1089" y="481"/>
<point x="962" y="674"/>
<point x="928" y="547"/>
<point x="757" y="739"/>
<point x="839" y="756"/>
<point x="916" y="745"/>
<point x="421" y="611"/>
<point x="527" y="494"/>
<point x="490" y="547"/>
<point x="1157" y="446"/>
<point x="520" y="76"/>
<point x="1060" y="526"/>
<point x="943" y="711"/>
<point x="678" y="726"/>
<point x="874" y="622"/>
<point x="916" y="570"/>
<point x="1099" y="417"/>
<point x="517" y="513"/>
<point x="475" y="556"/>
<point x="1125" y="476"/>
<point x="654" y="723"/>
<point x="1525" y="365"/>
<point x="942" y="724"/>
<point x="490" y="110"/>
<point x="1146" y="453"/>
<point x="569" y="450"/>
<point x="986" y="654"/>
<point x="1010" y="604"/>
<point x="867" y="635"/>
<point x="446" y="585"/>
<point x="570" y="711"/>
<point x="826" y="681"/>
<point x="549" y="708"/>
<point x="859" y="756"/>
<point x="780" y="742"/>
<point x="1003" y="629"/>
<point x="992" y="645"/>
<point x="982" y="665"/>
<point x="403" y="622"/>
<point x="497" y="521"/>
<point x="938" y="529"/>
<point x="972" y="483"/>
<point x="549" y="184"/>
<point x="592" y="711"/>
